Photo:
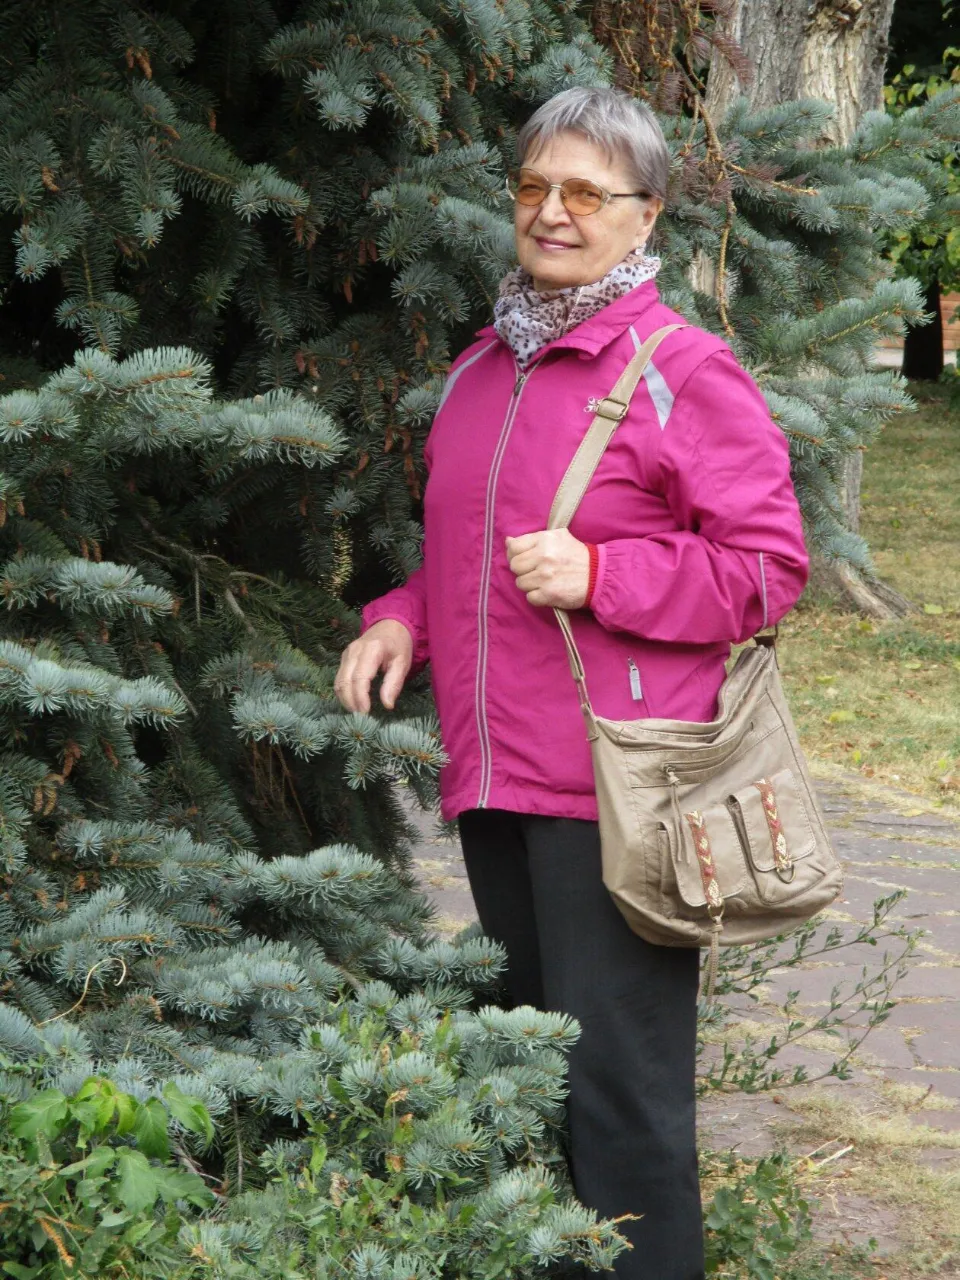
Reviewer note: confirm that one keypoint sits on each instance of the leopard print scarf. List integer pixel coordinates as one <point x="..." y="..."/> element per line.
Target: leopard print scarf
<point x="526" y="320"/>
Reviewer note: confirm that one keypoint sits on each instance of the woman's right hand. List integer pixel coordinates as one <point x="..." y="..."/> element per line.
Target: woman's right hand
<point x="388" y="647"/>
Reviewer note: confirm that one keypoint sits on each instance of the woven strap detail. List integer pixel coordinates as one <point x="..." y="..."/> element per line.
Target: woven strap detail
<point x="712" y="893"/>
<point x="708" y="870"/>
<point x="781" y="854"/>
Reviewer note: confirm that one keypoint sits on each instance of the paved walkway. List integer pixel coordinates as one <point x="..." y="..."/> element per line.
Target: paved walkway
<point x="886" y="843"/>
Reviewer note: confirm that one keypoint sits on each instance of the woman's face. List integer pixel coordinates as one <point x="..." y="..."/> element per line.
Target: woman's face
<point x="562" y="249"/>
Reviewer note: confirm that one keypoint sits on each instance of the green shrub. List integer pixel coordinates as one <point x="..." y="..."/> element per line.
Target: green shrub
<point x="89" y="1186"/>
<point x="313" y="1223"/>
<point x="757" y="1220"/>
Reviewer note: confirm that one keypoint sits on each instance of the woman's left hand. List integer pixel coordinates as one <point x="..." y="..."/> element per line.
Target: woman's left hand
<point x="552" y="567"/>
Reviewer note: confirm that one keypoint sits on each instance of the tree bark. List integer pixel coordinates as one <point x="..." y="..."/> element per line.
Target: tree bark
<point x="834" y="50"/>
<point x="923" y="347"/>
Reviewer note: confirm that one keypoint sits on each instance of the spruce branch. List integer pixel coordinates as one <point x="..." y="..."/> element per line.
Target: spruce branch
<point x="234" y="606"/>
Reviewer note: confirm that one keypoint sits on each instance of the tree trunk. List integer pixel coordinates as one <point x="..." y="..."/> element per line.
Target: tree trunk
<point x="923" y="347"/>
<point x="834" y="50"/>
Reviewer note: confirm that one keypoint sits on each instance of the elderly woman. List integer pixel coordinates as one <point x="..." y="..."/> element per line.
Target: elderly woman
<point x="687" y="539"/>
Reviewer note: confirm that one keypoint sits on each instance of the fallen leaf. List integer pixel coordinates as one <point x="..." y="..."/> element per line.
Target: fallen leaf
<point x="933" y="609"/>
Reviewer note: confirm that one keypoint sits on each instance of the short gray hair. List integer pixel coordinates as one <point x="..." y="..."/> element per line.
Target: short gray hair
<point x="613" y="121"/>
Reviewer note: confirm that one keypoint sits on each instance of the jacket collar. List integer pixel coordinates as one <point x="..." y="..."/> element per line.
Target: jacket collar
<point x="601" y="328"/>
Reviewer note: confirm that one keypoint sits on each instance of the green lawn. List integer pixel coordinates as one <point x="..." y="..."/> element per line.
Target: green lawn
<point x="884" y="698"/>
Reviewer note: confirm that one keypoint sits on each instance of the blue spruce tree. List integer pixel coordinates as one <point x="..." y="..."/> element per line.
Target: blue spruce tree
<point x="218" y="358"/>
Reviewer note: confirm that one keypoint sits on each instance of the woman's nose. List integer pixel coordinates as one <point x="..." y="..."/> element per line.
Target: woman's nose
<point x="552" y="210"/>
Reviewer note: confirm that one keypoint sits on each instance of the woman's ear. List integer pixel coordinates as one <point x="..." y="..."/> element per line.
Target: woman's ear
<point x="651" y="213"/>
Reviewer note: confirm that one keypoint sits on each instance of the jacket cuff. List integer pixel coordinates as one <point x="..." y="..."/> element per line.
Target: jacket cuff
<point x="597" y="572"/>
<point x="592" y="575"/>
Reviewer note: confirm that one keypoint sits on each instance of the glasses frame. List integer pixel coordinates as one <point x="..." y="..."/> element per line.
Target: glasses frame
<point x="559" y="186"/>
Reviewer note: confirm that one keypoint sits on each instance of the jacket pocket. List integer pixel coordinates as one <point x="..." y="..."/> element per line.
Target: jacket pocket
<point x="777" y="835"/>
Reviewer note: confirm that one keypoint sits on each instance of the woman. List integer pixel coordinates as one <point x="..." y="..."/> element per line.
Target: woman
<point x="688" y="538"/>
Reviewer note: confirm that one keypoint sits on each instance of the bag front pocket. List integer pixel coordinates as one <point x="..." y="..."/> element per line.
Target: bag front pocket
<point x="776" y="832"/>
<point x="710" y="867"/>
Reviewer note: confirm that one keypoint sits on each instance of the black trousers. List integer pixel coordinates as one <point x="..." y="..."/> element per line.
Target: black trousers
<point x="538" y="890"/>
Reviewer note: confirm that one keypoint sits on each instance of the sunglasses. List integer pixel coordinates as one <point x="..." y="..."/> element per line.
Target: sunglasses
<point x="579" y="195"/>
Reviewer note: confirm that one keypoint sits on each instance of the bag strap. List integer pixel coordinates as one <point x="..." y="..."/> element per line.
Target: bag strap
<point x="609" y="413"/>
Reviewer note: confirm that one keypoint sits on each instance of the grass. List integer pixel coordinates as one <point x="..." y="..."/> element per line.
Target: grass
<point x="883" y="698"/>
<point x="871" y="1175"/>
<point x="918" y="1203"/>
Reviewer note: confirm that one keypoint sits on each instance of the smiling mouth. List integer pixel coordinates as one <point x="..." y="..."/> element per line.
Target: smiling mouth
<point x="544" y="243"/>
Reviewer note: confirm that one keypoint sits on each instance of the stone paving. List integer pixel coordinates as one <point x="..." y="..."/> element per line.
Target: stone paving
<point x="886" y="841"/>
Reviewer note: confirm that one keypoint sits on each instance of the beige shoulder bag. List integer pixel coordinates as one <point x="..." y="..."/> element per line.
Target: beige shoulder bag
<point x="711" y="834"/>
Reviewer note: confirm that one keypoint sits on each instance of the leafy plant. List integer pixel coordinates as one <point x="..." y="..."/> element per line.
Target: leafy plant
<point x="757" y="1220"/>
<point x="931" y="248"/>
<point x="415" y="1139"/>
<point x="89" y="1185"/>
<point x="759" y="1224"/>
<point x="748" y="1064"/>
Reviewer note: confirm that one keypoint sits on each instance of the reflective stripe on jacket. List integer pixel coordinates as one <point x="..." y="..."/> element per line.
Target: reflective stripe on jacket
<point x="699" y="535"/>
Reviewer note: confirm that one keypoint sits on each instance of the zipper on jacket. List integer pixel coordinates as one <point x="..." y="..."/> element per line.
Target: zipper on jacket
<point x="481" y="683"/>
<point x="636" y="692"/>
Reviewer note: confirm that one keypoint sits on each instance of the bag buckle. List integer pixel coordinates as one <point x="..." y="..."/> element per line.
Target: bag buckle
<point x="614" y="410"/>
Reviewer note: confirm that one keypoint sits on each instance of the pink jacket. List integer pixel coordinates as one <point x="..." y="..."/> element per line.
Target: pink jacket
<point x="699" y="535"/>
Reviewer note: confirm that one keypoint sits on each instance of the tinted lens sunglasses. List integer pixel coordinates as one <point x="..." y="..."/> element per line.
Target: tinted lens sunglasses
<point x="579" y="195"/>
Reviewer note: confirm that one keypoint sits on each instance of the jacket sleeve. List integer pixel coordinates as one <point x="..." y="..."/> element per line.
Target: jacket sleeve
<point x="406" y="603"/>
<point x="737" y="561"/>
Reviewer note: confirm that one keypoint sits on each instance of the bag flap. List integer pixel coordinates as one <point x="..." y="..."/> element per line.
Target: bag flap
<point x="775" y="822"/>
<point x="709" y="848"/>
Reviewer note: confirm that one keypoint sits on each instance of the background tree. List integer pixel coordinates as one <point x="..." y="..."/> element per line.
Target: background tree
<point x="925" y="60"/>
<point x="788" y="61"/>
<point x="837" y="53"/>
<point x="832" y="50"/>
